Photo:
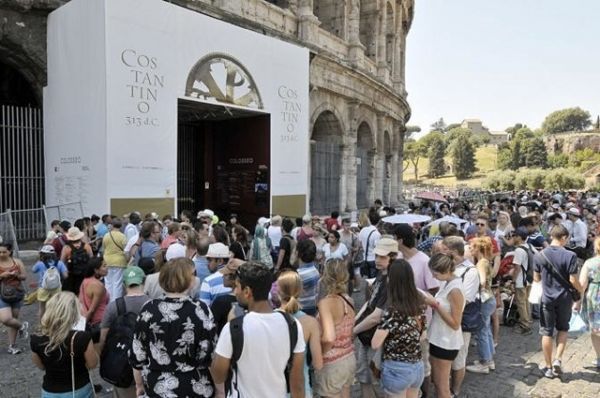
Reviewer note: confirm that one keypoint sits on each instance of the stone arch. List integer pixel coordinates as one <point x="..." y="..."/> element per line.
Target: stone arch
<point x="279" y="3"/>
<point x="326" y="160"/>
<point x="365" y="156"/>
<point x="14" y="56"/>
<point x="332" y="15"/>
<point x="325" y="107"/>
<point x="369" y="15"/>
<point x="390" y="34"/>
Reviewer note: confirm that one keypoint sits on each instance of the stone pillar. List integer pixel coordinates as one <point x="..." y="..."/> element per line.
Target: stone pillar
<point x="379" y="161"/>
<point x="355" y="47"/>
<point x="394" y="179"/>
<point x="349" y="163"/>
<point x="308" y="23"/>
<point x="400" y="153"/>
<point x="397" y="78"/>
<point x="293" y="6"/>
<point x="382" y="70"/>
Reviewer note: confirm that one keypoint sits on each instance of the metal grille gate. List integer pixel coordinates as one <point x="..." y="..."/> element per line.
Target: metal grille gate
<point x="21" y="158"/>
<point x="325" y="162"/>
<point x="362" y="177"/>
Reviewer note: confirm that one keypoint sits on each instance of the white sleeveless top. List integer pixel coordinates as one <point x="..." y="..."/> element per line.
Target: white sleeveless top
<point x="440" y="334"/>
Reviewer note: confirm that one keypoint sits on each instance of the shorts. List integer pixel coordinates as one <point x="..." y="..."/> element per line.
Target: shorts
<point x="555" y="315"/>
<point x="14" y="306"/>
<point x="460" y="362"/>
<point x="334" y="376"/>
<point x="398" y="376"/>
<point x="44" y="295"/>
<point x="364" y="375"/>
<point x="84" y="392"/>
<point x="425" y="357"/>
<point x="442" y="353"/>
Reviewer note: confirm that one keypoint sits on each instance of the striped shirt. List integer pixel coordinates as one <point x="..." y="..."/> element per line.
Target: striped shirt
<point x="212" y="287"/>
<point x="310" y="281"/>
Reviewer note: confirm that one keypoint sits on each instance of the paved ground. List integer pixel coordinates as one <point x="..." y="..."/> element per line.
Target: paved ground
<point x="516" y="372"/>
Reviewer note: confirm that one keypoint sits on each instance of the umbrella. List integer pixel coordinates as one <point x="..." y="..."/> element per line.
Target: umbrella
<point x="406" y="219"/>
<point x="432" y="196"/>
<point x="453" y="220"/>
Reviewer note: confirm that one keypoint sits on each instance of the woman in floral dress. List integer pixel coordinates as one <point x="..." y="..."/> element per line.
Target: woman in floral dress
<point x="590" y="279"/>
<point x="174" y="339"/>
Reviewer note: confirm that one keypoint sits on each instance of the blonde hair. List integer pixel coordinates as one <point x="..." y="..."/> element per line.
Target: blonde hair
<point x="289" y="285"/>
<point x="335" y="277"/>
<point x="176" y="276"/>
<point x="62" y="312"/>
<point x="483" y="245"/>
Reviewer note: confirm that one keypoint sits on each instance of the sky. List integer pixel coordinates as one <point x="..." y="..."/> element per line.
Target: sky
<point x="502" y="61"/>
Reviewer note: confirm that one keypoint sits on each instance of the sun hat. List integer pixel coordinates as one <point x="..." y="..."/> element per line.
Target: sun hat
<point x="74" y="234"/>
<point x="48" y="249"/>
<point x="574" y="211"/>
<point x="133" y="275"/>
<point x="385" y="246"/>
<point x="218" y="250"/>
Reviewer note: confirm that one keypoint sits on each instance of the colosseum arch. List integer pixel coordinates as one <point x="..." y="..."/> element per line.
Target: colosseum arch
<point x="369" y="14"/>
<point x="365" y="146"/>
<point x="325" y="163"/>
<point x="332" y="15"/>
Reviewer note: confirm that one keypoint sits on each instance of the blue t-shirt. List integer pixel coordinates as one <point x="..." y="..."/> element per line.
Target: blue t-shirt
<point x="565" y="262"/>
<point x="101" y="231"/>
<point x="41" y="268"/>
<point x="202" y="270"/>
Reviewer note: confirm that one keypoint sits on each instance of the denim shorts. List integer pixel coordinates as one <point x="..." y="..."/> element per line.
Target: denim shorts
<point x="16" y="305"/>
<point x="84" y="392"/>
<point x="398" y="376"/>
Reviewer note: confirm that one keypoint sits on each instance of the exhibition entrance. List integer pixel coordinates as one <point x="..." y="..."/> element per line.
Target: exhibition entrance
<point x="223" y="160"/>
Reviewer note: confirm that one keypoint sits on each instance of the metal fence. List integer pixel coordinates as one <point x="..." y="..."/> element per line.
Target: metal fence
<point x="7" y="231"/>
<point x="326" y="159"/>
<point x="67" y="211"/>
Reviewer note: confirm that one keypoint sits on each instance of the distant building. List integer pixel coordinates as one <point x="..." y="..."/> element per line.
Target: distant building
<point x="478" y="129"/>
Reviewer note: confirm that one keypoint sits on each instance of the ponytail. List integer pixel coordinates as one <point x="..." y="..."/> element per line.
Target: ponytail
<point x="292" y="306"/>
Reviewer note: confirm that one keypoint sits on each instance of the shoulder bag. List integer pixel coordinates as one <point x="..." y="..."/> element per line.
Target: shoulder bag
<point x="472" y="320"/>
<point x="575" y="295"/>
<point x="11" y="288"/>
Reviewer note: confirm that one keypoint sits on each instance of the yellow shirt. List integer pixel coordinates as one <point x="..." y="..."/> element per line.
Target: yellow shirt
<point x="113" y="244"/>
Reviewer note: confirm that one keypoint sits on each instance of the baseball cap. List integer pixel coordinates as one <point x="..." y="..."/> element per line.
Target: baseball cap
<point x="386" y="246"/>
<point x="133" y="275"/>
<point x="574" y="211"/>
<point x="48" y="249"/>
<point x="175" y="250"/>
<point x="218" y="250"/>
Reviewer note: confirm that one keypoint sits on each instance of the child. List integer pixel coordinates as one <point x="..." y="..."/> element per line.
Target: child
<point x="48" y="260"/>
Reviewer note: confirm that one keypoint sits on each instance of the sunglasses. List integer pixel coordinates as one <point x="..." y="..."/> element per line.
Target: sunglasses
<point x="480" y="224"/>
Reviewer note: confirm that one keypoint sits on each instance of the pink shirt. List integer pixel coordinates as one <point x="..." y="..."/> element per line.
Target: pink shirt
<point x="86" y="302"/>
<point x="423" y="277"/>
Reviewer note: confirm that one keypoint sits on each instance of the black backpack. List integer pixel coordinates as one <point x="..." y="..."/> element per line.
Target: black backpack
<point x="528" y="274"/>
<point x="237" y="341"/>
<point x="114" y="360"/>
<point x="79" y="259"/>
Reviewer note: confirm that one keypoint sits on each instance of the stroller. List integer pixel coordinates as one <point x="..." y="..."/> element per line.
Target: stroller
<point x="510" y="314"/>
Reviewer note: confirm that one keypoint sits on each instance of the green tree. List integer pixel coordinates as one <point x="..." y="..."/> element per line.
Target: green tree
<point x="414" y="151"/>
<point x="517" y="156"/>
<point x="439" y="125"/>
<point x="437" y="149"/>
<point x="412" y="129"/>
<point x="463" y="157"/>
<point x="513" y="130"/>
<point x="504" y="160"/>
<point x="558" y="160"/>
<point x="536" y="154"/>
<point x="564" y="120"/>
<point x="453" y="134"/>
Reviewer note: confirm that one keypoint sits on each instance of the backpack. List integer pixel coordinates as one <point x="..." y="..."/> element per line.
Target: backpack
<point x="51" y="278"/>
<point x="528" y="274"/>
<point x="147" y="264"/>
<point x="237" y="341"/>
<point x="472" y="321"/>
<point x="505" y="265"/>
<point x="114" y="360"/>
<point x="79" y="259"/>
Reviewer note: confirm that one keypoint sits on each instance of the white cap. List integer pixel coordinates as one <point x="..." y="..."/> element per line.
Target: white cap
<point x="176" y="250"/>
<point x="574" y="211"/>
<point x="263" y="220"/>
<point x="218" y="250"/>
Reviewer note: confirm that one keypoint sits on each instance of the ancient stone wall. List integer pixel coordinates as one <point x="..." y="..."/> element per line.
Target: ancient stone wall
<point x="571" y="142"/>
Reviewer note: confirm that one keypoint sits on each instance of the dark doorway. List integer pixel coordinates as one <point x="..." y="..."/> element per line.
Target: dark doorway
<point x="223" y="161"/>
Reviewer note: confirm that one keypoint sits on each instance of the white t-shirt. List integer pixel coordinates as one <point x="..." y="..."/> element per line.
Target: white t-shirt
<point x="131" y="242"/>
<point x="340" y="252"/>
<point x="470" y="281"/>
<point x="364" y="235"/>
<point x="521" y="258"/>
<point x="275" y="234"/>
<point x="264" y="356"/>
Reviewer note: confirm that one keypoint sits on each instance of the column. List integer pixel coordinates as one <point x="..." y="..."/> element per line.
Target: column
<point x="308" y="23"/>
<point x="355" y="48"/>
<point x="400" y="153"/>
<point x="381" y="47"/>
<point x="349" y="164"/>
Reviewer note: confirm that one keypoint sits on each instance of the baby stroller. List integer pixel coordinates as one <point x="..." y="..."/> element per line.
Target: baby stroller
<point x="510" y="315"/>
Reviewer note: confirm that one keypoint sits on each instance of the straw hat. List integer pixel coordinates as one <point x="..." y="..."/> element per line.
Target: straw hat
<point x="74" y="234"/>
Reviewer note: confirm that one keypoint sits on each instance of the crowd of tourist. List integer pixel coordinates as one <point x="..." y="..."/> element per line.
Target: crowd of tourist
<point x="192" y="306"/>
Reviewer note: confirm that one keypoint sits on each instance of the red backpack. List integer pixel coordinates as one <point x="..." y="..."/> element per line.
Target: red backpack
<point x="506" y="264"/>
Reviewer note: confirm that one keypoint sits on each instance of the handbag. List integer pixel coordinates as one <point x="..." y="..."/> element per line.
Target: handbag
<point x="575" y="295"/>
<point x="577" y="324"/>
<point x="535" y="294"/>
<point x="364" y="269"/>
<point x="472" y="321"/>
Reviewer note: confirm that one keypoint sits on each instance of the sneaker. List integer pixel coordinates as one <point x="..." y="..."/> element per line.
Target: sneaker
<point x="547" y="372"/>
<point x="13" y="350"/>
<point x="24" y="330"/>
<point x="478" y="368"/>
<point x="523" y="331"/>
<point x="557" y="367"/>
<point x="490" y="364"/>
